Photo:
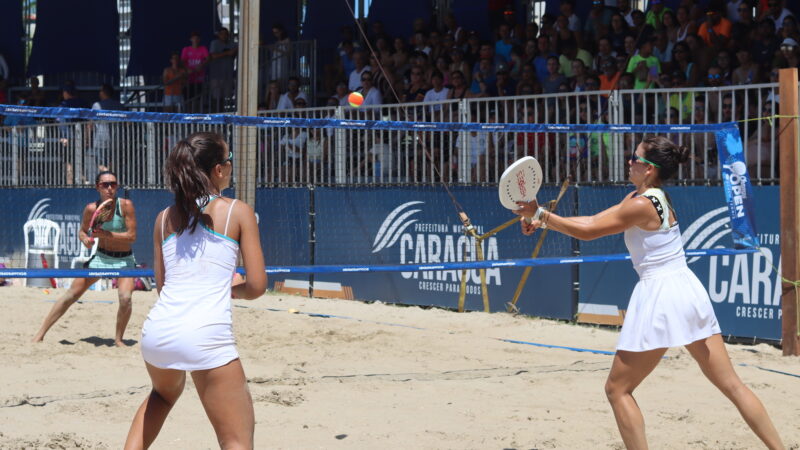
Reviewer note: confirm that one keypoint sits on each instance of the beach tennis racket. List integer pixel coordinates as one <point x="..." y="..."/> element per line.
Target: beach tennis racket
<point x="102" y="214"/>
<point x="520" y="182"/>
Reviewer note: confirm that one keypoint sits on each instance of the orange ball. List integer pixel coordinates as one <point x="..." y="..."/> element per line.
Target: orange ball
<point x="355" y="99"/>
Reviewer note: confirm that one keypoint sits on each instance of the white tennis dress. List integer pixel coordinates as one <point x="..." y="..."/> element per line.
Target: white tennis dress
<point x="190" y="327"/>
<point x="669" y="306"/>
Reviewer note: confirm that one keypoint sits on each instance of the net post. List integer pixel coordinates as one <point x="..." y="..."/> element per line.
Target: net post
<point x="340" y="149"/>
<point x="464" y="171"/>
<point x="790" y="209"/>
<point x="15" y="141"/>
<point x="77" y="170"/>
<point x="152" y="165"/>
<point x="247" y="101"/>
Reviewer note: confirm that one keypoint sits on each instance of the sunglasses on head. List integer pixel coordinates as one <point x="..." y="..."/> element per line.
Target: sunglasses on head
<point x="107" y="184"/>
<point x="230" y="152"/>
<point x="638" y="159"/>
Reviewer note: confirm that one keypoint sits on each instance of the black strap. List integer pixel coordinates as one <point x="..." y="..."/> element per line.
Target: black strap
<point x="115" y="254"/>
<point x="657" y="204"/>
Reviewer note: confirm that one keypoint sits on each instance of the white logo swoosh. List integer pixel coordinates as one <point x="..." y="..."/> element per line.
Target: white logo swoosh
<point x="394" y="225"/>
<point x="706" y="230"/>
<point x="39" y="209"/>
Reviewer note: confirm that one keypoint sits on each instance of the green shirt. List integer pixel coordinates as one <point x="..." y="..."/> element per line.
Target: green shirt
<point x="650" y="61"/>
<point x="653" y="20"/>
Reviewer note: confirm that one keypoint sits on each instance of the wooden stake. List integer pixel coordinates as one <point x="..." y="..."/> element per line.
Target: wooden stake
<point x="790" y="208"/>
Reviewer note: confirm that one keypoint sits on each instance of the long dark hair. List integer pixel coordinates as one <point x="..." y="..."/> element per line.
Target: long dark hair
<point x="186" y="171"/>
<point x="666" y="154"/>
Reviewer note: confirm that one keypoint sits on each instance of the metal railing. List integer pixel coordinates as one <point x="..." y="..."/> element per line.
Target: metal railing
<point x="70" y="153"/>
<point x="279" y="61"/>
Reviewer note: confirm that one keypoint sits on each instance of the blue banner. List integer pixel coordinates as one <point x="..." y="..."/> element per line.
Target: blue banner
<point x="738" y="190"/>
<point x="744" y="288"/>
<point x="283" y="222"/>
<point x="418" y="225"/>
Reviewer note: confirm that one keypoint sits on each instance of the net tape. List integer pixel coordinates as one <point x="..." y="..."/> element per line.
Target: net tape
<point x="386" y="125"/>
<point x="524" y="262"/>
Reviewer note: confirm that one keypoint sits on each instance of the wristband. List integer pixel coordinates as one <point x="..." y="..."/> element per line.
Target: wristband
<point x="538" y="214"/>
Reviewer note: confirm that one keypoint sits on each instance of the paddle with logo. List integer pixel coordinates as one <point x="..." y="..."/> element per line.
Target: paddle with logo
<point x="102" y="213"/>
<point x="520" y="182"/>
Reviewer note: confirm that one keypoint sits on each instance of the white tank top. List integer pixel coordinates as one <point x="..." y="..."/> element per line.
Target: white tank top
<point x="659" y="251"/>
<point x="198" y="271"/>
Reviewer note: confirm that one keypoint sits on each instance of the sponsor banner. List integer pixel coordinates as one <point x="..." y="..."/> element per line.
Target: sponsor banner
<point x="744" y="288"/>
<point x="366" y="226"/>
<point x="65" y="208"/>
<point x="738" y="191"/>
<point x="283" y="222"/>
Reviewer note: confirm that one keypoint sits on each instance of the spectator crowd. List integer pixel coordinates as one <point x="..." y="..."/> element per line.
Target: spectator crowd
<point x="726" y="43"/>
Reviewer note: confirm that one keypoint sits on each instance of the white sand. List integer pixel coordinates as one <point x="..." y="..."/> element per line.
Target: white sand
<point x="362" y="382"/>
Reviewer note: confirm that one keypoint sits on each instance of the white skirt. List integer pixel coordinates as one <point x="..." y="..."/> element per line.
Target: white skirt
<point x="669" y="309"/>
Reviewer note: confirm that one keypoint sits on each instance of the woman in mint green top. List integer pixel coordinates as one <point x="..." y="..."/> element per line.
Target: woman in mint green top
<point x="114" y="241"/>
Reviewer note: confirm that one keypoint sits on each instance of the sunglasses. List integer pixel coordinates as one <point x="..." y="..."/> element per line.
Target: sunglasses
<point x="638" y="159"/>
<point x="230" y="152"/>
<point x="107" y="184"/>
<point x="714" y="76"/>
<point x="787" y="48"/>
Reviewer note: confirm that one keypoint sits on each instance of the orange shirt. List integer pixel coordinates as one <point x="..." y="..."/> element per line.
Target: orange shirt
<point x="176" y="87"/>
<point x="723" y="27"/>
<point x="607" y="84"/>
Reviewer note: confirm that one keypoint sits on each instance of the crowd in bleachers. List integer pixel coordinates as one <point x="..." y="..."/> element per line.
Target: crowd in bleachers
<point x="725" y="43"/>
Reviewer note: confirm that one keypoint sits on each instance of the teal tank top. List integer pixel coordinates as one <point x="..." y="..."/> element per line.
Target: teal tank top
<point x="116" y="224"/>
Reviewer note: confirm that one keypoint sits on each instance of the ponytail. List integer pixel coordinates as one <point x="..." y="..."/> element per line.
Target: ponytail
<point x="186" y="172"/>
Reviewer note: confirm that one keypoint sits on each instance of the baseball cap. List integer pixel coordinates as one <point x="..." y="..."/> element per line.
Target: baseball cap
<point x="789" y="41"/>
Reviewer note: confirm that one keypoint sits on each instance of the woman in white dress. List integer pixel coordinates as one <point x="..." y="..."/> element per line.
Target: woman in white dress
<point x="196" y="244"/>
<point x="669" y="306"/>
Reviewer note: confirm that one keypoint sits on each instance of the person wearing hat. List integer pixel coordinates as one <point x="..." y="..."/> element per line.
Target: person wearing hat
<point x="790" y="53"/>
<point x="656" y="13"/>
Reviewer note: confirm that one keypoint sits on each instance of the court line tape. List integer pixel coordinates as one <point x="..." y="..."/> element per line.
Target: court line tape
<point x="391" y="324"/>
<point x="770" y="370"/>
<point x="511" y="341"/>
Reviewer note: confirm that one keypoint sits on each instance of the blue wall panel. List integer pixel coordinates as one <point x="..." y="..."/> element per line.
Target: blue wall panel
<point x="405" y="225"/>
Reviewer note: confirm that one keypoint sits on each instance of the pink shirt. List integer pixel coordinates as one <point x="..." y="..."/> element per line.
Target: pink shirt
<point x="193" y="57"/>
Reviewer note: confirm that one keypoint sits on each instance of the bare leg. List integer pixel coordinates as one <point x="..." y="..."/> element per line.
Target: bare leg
<point x="627" y="372"/>
<point x="167" y="388"/>
<point x="228" y="404"/>
<point x="712" y="356"/>
<point x="125" y="288"/>
<point x="78" y="287"/>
